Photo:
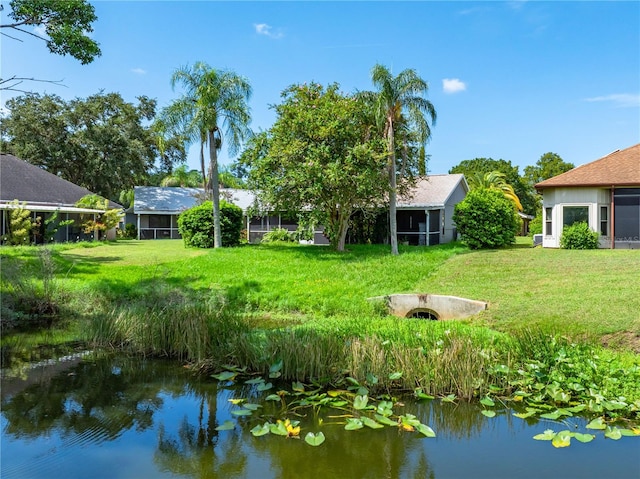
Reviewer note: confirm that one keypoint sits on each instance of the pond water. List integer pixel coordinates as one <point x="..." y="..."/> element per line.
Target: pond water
<point x="105" y="416"/>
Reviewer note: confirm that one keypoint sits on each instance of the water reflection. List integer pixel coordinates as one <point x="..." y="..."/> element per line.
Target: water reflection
<point x="113" y="416"/>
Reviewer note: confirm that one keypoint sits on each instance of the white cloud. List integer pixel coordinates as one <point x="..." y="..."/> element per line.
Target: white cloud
<point x="622" y="100"/>
<point x="139" y="71"/>
<point x="267" y="30"/>
<point x="453" y="85"/>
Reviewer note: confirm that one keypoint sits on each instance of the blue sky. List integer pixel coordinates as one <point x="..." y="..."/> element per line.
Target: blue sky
<point x="510" y="80"/>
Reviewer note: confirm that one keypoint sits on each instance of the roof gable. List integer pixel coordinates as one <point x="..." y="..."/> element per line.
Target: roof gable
<point x="620" y="168"/>
<point x="20" y="180"/>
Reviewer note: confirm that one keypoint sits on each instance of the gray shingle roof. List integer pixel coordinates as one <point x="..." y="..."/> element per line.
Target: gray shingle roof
<point x="20" y="180"/>
<point x="431" y="191"/>
<point x="173" y="199"/>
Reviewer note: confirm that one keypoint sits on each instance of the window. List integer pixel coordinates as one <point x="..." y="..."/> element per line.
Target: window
<point x="159" y="221"/>
<point x="604" y="221"/>
<point x="547" y="221"/>
<point x="627" y="214"/>
<point x="575" y="214"/>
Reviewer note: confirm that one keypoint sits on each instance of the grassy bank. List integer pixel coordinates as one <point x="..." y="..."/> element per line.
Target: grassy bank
<point x="306" y="307"/>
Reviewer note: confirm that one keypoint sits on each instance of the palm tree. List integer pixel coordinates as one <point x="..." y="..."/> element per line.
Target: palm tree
<point x="182" y="177"/>
<point x="213" y="109"/>
<point x="496" y="180"/>
<point x="400" y="99"/>
<point x="175" y="119"/>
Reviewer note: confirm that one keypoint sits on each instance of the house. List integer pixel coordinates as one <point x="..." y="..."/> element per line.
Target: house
<point x="156" y="208"/>
<point x="425" y="212"/>
<point x="44" y="194"/>
<point x="604" y="193"/>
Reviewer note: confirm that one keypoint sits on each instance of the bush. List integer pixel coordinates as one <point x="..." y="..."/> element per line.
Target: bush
<point x="278" y="234"/>
<point x="535" y="226"/>
<point x="196" y="225"/>
<point x="130" y="232"/>
<point x="579" y="236"/>
<point x="486" y="219"/>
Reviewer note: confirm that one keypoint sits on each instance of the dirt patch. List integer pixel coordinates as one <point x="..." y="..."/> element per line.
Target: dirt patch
<point x="628" y="340"/>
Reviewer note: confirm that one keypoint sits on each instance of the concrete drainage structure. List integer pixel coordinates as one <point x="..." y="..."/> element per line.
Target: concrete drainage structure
<point x="431" y="306"/>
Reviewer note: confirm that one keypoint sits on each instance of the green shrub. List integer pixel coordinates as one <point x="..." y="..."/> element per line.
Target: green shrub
<point x="278" y="234"/>
<point x="130" y="232"/>
<point x="196" y="225"/>
<point x="486" y="219"/>
<point x="579" y="236"/>
<point x="20" y="224"/>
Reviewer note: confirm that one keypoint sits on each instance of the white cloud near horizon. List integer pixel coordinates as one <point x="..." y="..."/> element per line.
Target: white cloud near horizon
<point x="139" y="71"/>
<point x="267" y="30"/>
<point x="621" y="100"/>
<point x="453" y="85"/>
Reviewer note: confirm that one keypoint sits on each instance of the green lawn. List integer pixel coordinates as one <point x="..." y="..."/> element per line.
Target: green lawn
<point x="578" y="293"/>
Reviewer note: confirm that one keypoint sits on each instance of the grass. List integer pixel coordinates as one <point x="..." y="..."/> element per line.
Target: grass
<point x="307" y="307"/>
<point x="584" y="294"/>
<point x="592" y="294"/>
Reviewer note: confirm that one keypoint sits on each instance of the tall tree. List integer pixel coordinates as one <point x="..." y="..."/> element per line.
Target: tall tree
<point x="548" y="166"/>
<point x="214" y="108"/>
<point x="101" y="142"/>
<point x="482" y="166"/>
<point x="398" y="97"/>
<point x="319" y="157"/>
<point x="66" y="23"/>
<point x="495" y="180"/>
<point x="182" y="177"/>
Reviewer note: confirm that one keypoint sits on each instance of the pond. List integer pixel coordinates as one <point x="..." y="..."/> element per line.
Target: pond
<point x="98" y="415"/>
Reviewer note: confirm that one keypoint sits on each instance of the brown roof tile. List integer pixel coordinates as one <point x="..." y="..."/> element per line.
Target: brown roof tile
<point x="620" y="168"/>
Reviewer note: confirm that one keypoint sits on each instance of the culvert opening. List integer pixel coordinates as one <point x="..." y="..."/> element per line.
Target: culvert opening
<point x="428" y="314"/>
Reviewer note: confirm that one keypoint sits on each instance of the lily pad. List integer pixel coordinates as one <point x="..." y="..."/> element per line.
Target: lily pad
<point x="487" y="401"/>
<point x="314" y="439"/>
<point x="279" y="429"/>
<point x="385" y="420"/>
<point x="353" y="424"/>
<point x="562" y="439"/>
<point x="425" y="430"/>
<point x="613" y="433"/>
<point x="261" y="430"/>
<point x="367" y="421"/>
<point x="548" y="435"/>
<point x="597" y="423"/>
<point x="488" y="413"/>
<point x="360" y="402"/>
<point x="225" y="376"/>
<point x="583" y="437"/>
<point x="226" y="426"/>
<point x="242" y="412"/>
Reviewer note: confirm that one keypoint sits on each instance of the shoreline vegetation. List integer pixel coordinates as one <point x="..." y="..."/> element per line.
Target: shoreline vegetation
<point x="561" y="335"/>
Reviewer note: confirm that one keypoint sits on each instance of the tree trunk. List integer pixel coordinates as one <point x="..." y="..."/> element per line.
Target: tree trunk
<point x="215" y="188"/>
<point x="202" y="170"/>
<point x="393" y="220"/>
<point x="342" y="232"/>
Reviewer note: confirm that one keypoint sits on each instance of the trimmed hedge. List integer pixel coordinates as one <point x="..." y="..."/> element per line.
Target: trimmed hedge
<point x="196" y="225"/>
<point x="486" y="219"/>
